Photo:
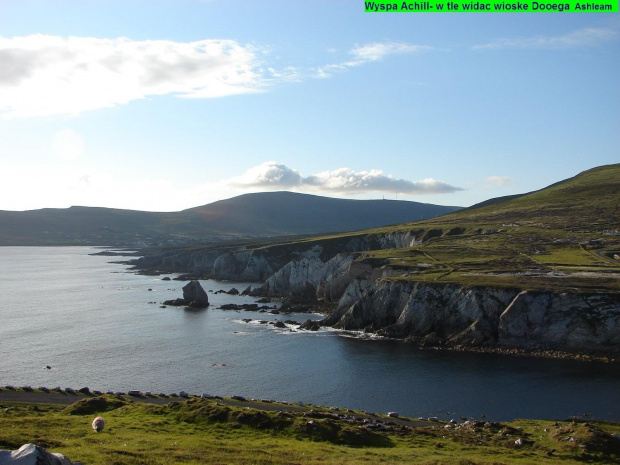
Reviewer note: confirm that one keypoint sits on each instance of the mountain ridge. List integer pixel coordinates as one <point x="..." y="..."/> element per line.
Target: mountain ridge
<point x="248" y="215"/>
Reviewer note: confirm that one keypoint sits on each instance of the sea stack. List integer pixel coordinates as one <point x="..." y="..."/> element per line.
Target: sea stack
<point x="195" y="296"/>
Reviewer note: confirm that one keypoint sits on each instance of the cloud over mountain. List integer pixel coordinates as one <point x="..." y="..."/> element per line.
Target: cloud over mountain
<point x="268" y="174"/>
<point x="274" y="176"/>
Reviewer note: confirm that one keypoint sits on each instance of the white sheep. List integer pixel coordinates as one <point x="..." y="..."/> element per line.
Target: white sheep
<point x="98" y="424"/>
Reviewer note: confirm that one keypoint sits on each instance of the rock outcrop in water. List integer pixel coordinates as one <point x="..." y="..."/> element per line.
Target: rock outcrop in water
<point x="194" y="296"/>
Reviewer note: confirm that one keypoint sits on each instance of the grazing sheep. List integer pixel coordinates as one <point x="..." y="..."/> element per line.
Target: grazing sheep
<point x="98" y="424"/>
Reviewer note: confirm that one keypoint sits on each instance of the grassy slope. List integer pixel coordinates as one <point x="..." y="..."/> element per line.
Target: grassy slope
<point x="204" y="431"/>
<point x="544" y="233"/>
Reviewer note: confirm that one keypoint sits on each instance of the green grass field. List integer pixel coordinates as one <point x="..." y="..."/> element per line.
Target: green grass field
<point x="198" y="431"/>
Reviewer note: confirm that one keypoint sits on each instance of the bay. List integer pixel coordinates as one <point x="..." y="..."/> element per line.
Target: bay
<point x="98" y="325"/>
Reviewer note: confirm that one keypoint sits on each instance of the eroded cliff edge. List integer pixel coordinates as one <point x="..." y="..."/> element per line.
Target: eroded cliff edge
<point x="374" y="295"/>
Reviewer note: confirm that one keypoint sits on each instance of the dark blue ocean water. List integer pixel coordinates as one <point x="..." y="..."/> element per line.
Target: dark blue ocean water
<point x="94" y="324"/>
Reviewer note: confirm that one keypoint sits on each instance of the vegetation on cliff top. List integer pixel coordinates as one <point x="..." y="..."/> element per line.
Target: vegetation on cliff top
<point x="563" y="238"/>
<point x="199" y="430"/>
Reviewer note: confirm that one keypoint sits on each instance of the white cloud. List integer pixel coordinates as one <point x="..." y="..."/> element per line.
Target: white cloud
<point x="266" y="175"/>
<point x="580" y="38"/>
<point x="499" y="180"/>
<point x="275" y="176"/>
<point x="46" y="75"/>
<point x="369" y="53"/>
<point x="378" y="50"/>
<point x="52" y="75"/>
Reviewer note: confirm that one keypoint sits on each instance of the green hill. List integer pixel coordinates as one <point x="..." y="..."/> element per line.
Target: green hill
<point x="586" y="201"/>
<point x="564" y="236"/>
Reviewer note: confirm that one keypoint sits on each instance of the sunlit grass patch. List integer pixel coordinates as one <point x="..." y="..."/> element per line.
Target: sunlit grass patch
<point x="197" y="431"/>
<point x="570" y="255"/>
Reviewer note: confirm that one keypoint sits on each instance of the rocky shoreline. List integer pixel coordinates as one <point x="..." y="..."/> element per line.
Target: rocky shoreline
<point x="536" y="353"/>
<point x="555" y="354"/>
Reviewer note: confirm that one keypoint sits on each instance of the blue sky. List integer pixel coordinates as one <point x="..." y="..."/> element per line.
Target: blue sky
<point x="163" y="105"/>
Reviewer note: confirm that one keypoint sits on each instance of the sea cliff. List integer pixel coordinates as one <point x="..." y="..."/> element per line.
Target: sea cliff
<point x="457" y="316"/>
<point x="374" y="296"/>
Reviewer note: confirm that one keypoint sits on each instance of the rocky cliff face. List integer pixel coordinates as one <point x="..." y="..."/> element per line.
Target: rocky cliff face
<point x="572" y="321"/>
<point x="240" y="265"/>
<point x="453" y="315"/>
<point x="248" y="265"/>
<point x="329" y="280"/>
<point x="243" y="265"/>
<point x="395" y="240"/>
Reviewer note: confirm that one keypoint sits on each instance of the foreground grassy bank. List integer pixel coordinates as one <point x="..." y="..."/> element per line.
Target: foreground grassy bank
<point x="196" y="430"/>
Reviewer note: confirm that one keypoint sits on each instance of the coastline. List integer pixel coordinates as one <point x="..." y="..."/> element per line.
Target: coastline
<point x="27" y="395"/>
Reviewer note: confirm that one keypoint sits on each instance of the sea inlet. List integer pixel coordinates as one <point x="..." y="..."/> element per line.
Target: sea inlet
<point x="96" y="324"/>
